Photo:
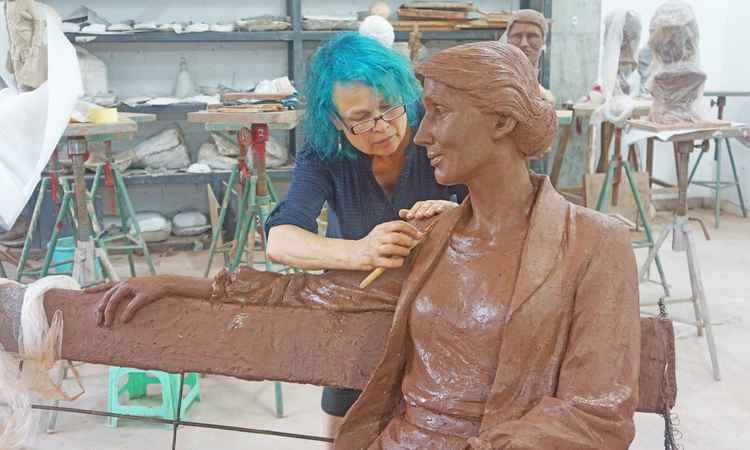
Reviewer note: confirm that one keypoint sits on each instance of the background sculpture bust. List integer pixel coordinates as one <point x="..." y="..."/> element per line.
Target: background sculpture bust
<point x="528" y="30"/>
<point x="676" y="81"/>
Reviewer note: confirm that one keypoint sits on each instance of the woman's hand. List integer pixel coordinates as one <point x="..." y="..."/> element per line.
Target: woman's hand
<point x="387" y="245"/>
<point x="142" y="291"/>
<point x="426" y="209"/>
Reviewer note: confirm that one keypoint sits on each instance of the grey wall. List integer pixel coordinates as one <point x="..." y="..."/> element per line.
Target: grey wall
<point x="574" y="55"/>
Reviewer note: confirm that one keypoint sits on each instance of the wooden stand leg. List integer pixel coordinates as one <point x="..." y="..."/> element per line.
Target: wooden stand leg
<point x="650" y="161"/>
<point x="560" y="155"/>
<point x="607" y="134"/>
<point x="699" y="298"/>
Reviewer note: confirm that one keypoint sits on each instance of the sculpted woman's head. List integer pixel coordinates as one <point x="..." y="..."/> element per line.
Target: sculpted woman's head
<point x="475" y="96"/>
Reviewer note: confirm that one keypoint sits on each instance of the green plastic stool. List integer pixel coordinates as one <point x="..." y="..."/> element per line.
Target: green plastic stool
<point x="136" y="386"/>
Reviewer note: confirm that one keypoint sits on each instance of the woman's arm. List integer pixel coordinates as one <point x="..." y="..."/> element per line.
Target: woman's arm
<point x="335" y="290"/>
<point x="385" y="246"/>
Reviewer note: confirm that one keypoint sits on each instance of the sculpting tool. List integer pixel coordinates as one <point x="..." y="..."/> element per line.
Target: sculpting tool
<point x="375" y="274"/>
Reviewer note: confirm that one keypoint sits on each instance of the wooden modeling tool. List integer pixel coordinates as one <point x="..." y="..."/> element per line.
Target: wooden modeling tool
<point x="375" y="274"/>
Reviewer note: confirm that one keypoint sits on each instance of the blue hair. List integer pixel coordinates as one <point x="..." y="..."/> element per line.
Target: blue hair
<point x="346" y="58"/>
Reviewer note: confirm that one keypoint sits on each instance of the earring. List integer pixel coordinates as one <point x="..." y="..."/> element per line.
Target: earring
<point x="338" y="141"/>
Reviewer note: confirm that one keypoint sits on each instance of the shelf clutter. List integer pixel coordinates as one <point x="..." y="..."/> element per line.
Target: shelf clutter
<point x="447" y="16"/>
<point x="87" y="21"/>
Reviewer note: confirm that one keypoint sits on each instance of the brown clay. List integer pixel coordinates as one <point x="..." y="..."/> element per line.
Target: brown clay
<point x="528" y="30"/>
<point x="537" y="21"/>
<point x="516" y="324"/>
<point x="334" y="349"/>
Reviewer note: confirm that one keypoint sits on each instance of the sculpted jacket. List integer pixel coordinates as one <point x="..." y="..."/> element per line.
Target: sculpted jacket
<point x="568" y="365"/>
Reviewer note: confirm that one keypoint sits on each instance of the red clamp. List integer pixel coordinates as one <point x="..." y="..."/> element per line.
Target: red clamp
<point x="244" y="139"/>
<point x="260" y="137"/>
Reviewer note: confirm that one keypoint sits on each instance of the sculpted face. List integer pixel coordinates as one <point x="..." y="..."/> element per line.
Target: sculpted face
<point x="458" y="136"/>
<point x="529" y="38"/>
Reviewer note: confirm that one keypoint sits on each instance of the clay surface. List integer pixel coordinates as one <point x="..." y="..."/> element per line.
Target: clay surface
<point x="528" y="30"/>
<point x="349" y="344"/>
<point x="244" y="341"/>
<point x="531" y="48"/>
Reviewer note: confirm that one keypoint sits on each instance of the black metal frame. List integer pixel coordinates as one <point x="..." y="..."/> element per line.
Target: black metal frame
<point x="178" y="422"/>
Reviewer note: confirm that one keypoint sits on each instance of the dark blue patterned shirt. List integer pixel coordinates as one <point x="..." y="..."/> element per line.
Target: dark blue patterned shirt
<point x="356" y="202"/>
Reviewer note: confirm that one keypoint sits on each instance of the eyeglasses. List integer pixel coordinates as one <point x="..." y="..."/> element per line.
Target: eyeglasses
<point x="388" y="115"/>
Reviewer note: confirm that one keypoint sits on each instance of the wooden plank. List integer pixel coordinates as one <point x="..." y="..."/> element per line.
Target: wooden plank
<point x="480" y="24"/>
<point x="236" y="96"/>
<point x="456" y="6"/>
<point x="247" y="118"/>
<point x="433" y="14"/>
<point x="248" y="108"/>
<point x="123" y="126"/>
<point x="643" y="124"/>
<point x="139" y="117"/>
<point x="710" y="133"/>
<point x="423" y="25"/>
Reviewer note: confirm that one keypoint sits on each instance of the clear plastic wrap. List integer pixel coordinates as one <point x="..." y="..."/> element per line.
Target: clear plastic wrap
<point x="39" y="347"/>
<point x="622" y="37"/>
<point x="676" y="81"/>
<point x="619" y="78"/>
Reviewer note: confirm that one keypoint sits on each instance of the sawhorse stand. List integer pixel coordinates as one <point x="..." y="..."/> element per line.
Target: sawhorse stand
<point x="76" y="199"/>
<point x="682" y="238"/>
<point x="76" y="205"/>
<point x="717" y="184"/>
<point x="254" y="201"/>
<point x="256" y="197"/>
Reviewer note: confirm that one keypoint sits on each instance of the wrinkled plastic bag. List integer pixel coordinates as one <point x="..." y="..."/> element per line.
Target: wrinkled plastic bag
<point x="676" y="81"/>
<point x="619" y="77"/>
<point x="190" y="223"/>
<point x="34" y="121"/>
<point x="210" y="156"/>
<point x="277" y="154"/>
<point x="154" y="226"/>
<point x="165" y="150"/>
